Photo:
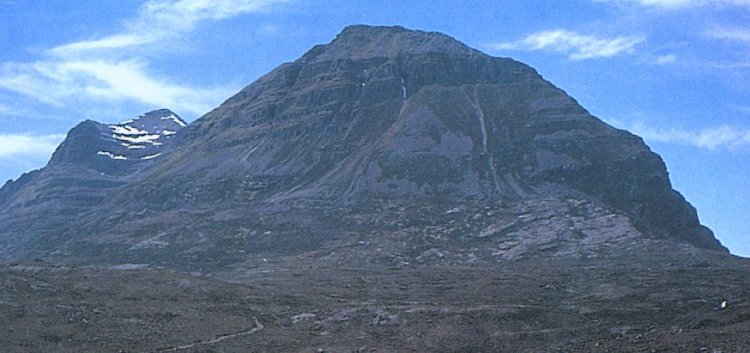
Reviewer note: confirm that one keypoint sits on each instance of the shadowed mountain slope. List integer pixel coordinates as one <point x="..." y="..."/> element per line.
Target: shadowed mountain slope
<point x="379" y="136"/>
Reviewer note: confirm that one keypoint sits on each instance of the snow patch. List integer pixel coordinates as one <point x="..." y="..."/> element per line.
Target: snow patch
<point x="127" y="130"/>
<point x="151" y="156"/>
<point x="175" y="119"/>
<point x="168" y="132"/>
<point x="111" y="155"/>
<point x="483" y="127"/>
<point x="138" y="139"/>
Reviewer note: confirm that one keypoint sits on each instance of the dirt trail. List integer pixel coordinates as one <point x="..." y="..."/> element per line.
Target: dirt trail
<point x="258" y="326"/>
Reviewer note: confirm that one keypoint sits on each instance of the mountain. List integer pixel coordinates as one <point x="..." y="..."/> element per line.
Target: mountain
<point x="93" y="161"/>
<point x="393" y="190"/>
<point x="409" y="142"/>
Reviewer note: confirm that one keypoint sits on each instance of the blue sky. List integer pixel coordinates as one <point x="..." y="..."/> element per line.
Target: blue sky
<point x="676" y="72"/>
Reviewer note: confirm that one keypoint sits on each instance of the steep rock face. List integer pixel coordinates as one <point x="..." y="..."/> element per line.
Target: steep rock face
<point x="355" y="133"/>
<point x="391" y="113"/>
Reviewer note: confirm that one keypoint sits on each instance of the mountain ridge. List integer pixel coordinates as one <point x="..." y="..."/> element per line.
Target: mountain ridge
<point x="385" y="118"/>
<point x="93" y="160"/>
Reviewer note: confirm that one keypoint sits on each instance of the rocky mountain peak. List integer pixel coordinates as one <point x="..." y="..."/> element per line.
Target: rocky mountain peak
<point x="114" y="148"/>
<point x="359" y="42"/>
<point x="157" y="121"/>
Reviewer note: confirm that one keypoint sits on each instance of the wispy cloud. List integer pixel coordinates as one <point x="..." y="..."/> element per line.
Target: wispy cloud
<point x="55" y="82"/>
<point x="577" y="46"/>
<point x="19" y="145"/>
<point x="665" y="59"/>
<point x="734" y="34"/>
<point x="714" y="138"/>
<point x="159" y="20"/>
<point x="114" y="69"/>
<point x="679" y="4"/>
<point x="739" y="38"/>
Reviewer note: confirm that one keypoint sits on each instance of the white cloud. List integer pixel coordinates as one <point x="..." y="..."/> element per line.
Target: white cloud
<point x="666" y="59"/>
<point x="579" y="46"/>
<point x="679" y="4"/>
<point x="714" y="138"/>
<point x="55" y="82"/>
<point x="114" y="69"/>
<point x="735" y="34"/>
<point x="116" y="41"/>
<point x="160" y="20"/>
<point x="19" y="145"/>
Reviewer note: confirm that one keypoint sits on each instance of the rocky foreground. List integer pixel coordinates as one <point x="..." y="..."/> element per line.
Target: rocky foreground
<point x="677" y="304"/>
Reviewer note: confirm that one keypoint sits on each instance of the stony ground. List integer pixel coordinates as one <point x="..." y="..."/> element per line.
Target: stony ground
<point x="669" y="304"/>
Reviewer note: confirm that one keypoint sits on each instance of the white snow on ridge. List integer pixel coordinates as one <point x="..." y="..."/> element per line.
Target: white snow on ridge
<point x="133" y="138"/>
<point x="151" y="156"/>
<point x="139" y="139"/>
<point x="127" y="130"/>
<point x="175" y="119"/>
<point x="111" y="155"/>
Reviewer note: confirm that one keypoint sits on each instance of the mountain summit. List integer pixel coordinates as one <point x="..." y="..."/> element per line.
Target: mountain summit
<point x="408" y="140"/>
<point x="118" y="148"/>
<point x="361" y="42"/>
